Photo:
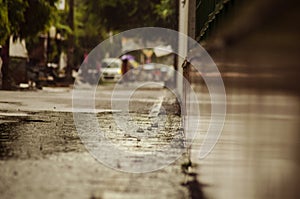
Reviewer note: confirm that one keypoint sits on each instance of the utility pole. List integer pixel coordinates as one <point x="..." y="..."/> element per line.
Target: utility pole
<point x="182" y="43"/>
<point x="187" y="13"/>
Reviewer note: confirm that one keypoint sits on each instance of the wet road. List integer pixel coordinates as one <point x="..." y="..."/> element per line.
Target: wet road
<point x="42" y="156"/>
<point x="255" y="157"/>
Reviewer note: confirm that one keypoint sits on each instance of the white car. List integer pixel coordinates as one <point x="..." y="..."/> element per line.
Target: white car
<point x="111" y="69"/>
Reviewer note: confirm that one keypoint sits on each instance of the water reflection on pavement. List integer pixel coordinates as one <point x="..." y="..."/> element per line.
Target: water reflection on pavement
<point x="42" y="156"/>
<point x="257" y="155"/>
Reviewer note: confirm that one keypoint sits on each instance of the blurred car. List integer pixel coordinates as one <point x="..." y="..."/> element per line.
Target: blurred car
<point x="155" y="72"/>
<point x="111" y="69"/>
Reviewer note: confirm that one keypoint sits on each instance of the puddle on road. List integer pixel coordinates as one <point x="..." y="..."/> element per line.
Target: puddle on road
<point x="14" y="103"/>
<point x="39" y="134"/>
<point x="152" y="133"/>
<point x="16" y="114"/>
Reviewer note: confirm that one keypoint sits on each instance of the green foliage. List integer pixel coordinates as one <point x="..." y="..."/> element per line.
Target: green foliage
<point x="37" y="17"/>
<point x="127" y="14"/>
<point x="166" y="10"/>
<point x="24" y="18"/>
<point x="95" y="18"/>
<point x="4" y="23"/>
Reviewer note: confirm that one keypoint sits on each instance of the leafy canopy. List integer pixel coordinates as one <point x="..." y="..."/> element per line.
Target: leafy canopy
<point x="24" y="18"/>
<point x="95" y="18"/>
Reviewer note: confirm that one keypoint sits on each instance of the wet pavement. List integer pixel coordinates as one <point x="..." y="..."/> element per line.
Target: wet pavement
<point x="42" y="156"/>
<point x="257" y="155"/>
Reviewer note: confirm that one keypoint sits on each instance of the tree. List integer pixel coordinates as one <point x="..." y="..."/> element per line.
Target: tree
<point x="21" y="18"/>
<point x="70" y="21"/>
<point x="95" y="19"/>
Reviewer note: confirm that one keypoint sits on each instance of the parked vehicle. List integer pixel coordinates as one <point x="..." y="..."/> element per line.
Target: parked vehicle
<point x="111" y="69"/>
<point x="155" y="72"/>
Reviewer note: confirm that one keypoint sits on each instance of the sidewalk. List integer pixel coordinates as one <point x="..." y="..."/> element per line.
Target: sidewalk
<point x="256" y="154"/>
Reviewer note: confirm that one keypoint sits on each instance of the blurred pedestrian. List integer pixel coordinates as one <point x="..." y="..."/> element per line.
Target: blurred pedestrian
<point x="124" y="69"/>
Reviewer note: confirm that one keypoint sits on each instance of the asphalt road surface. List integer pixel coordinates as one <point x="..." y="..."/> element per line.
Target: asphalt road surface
<point x="255" y="157"/>
<point x="42" y="156"/>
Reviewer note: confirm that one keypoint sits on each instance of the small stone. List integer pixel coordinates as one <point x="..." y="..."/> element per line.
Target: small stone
<point x="162" y="112"/>
<point x="140" y="130"/>
<point x="155" y="125"/>
<point x="149" y="128"/>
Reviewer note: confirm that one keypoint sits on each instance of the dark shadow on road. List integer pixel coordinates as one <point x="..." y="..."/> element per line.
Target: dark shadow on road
<point x="194" y="187"/>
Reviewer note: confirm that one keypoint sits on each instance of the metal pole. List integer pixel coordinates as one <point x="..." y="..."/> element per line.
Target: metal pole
<point x="187" y="25"/>
<point x="182" y="43"/>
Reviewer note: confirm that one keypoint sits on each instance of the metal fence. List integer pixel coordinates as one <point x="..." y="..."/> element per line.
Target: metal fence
<point x="209" y="13"/>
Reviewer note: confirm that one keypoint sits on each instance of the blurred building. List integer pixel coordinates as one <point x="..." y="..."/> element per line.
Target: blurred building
<point x="18" y="59"/>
